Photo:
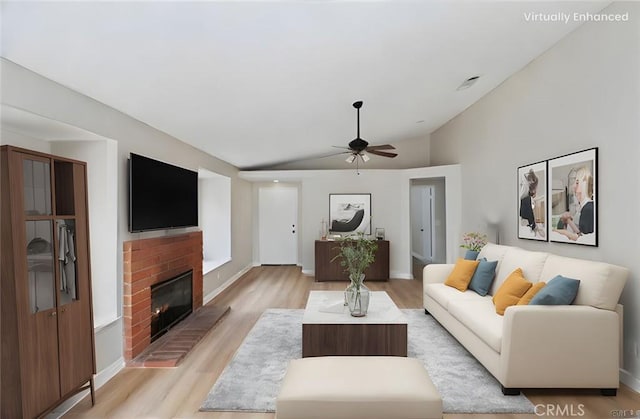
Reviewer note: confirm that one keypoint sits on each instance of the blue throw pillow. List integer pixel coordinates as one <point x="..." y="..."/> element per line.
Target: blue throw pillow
<point x="560" y="291"/>
<point x="471" y="254"/>
<point x="483" y="277"/>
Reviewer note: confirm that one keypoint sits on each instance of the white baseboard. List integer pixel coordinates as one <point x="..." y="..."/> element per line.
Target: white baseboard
<point x="99" y="380"/>
<point x="400" y="275"/>
<point x="225" y="285"/>
<point x="629" y="380"/>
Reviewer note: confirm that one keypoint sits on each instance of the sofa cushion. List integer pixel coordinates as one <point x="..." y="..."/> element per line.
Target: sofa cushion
<point x="478" y="314"/>
<point x="461" y="275"/>
<point x="511" y="291"/>
<point x="445" y="295"/>
<point x="531" y="264"/>
<point x="560" y="291"/>
<point x="492" y="251"/>
<point x="600" y="283"/>
<point x="483" y="276"/>
<point x="535" y="288"/>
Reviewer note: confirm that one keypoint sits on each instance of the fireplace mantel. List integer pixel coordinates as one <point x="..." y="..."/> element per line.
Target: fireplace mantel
<point x="148" y="262"/>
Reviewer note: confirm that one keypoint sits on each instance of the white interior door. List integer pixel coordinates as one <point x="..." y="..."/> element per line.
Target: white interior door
<point x="278" y="225"/>
<point x="422" y="223"/>
<point x="417" y="244"/>
<point x="427" y="221"/>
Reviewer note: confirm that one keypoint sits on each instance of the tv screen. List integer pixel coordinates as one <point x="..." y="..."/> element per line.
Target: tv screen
<point x="161" y="196"/>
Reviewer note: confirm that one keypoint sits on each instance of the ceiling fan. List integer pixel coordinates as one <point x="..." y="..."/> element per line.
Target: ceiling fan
<point x="358" y="147"/>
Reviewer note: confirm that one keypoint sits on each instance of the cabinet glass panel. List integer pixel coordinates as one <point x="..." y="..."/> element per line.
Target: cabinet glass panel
<point x="67" y="260"/>
<point x="63" y="173"/>
<point x="40" y="267"/>
<point x="37" y="187"/>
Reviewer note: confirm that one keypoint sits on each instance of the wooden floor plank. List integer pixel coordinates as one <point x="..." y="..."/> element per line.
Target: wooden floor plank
<point x="179" y="392"/>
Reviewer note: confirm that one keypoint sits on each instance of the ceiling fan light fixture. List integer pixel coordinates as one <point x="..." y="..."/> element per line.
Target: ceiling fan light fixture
<point x="358" y="148"/>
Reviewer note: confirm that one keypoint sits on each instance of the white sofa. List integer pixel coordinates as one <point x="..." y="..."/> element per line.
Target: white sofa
<point x="534" y="346"/>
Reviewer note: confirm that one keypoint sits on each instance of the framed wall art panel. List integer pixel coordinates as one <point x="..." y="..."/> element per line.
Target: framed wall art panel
<point x="350" y="213"/>
<point x="573" y="207"/>
<point x="532" y="201"/>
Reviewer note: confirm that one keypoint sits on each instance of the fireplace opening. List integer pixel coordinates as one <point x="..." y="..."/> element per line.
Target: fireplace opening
<point x="171" y="301"/>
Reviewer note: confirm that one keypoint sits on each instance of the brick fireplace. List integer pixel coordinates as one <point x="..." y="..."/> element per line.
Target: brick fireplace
<point x="148" y="262"/>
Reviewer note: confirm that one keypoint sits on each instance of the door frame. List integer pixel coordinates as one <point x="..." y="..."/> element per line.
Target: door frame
<point x="424" y="201"/>
<point x="257" y="245"/>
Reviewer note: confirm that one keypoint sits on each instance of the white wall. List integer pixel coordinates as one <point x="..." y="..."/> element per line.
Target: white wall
<point x="390" y="206"/>
<point x="584" y="92"/>
<point x="214" y="218"/>
<point x="386" y="210"/>
<point x="31" y="92"/>
<point x="23" y="140"/>
<point x="101" y="159"/>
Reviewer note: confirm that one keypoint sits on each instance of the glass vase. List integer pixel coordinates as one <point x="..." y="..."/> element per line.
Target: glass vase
<point x="324" y="229"/>
<point x="357" y="296"/>
<point x="347" y="292"/>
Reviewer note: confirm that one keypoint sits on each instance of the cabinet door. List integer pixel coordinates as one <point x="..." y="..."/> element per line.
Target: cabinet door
<point x="35" y="284"/>
<point x="74" y="296"/>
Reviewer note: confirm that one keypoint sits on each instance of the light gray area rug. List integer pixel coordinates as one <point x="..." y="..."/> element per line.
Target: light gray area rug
<point x="252" y="379"/>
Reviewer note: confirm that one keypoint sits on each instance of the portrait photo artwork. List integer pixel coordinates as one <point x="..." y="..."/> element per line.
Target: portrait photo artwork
<point x="532" y="205"/>
<point x="573" y="200"/>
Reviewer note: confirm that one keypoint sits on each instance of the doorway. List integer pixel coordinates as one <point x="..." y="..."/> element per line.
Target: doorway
<point x="428" y="226"/>
<point x="278" y="225"/>
<point x="422" y="221"/>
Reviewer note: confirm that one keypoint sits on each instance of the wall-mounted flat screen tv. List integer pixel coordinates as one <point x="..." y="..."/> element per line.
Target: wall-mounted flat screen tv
<point x="161" y="196"/>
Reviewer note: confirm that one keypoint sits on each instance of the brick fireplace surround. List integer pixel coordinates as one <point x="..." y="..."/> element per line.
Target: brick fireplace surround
<point x="146" y="263"/>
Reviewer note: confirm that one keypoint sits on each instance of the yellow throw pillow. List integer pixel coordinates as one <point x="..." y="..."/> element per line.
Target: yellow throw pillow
<point x="462" y="273"/>
<point x="526" y="298"/>
<point x="511" y="291"/>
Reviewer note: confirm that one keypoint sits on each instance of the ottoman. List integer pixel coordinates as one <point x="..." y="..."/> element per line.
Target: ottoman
<point x="349" y="387"/>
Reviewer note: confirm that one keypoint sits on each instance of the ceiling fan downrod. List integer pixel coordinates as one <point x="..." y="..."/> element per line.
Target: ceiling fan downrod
<point x="358" y="105"/>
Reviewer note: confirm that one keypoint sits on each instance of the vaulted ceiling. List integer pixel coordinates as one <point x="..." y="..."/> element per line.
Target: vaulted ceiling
<point x="257" y="83"/>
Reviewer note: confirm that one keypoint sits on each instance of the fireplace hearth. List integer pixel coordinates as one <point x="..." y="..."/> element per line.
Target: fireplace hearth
<point x="171" y="301"/>
<point x="147" y="262"/>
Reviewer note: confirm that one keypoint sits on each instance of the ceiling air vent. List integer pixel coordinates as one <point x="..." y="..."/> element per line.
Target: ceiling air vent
<point x="468" y="83"/>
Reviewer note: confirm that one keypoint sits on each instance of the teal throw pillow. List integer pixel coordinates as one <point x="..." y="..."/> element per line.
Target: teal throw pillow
<point x="483" y="277"/>
<point x="471" y="255"/>
<point x="560" y="291"/>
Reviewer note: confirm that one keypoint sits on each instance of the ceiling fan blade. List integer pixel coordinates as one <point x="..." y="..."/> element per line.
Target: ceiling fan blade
<point x="382" y="153"/>
<point x="381" y="147"/>
<point x="332" y="154"/>
<point x="337" y="146"/>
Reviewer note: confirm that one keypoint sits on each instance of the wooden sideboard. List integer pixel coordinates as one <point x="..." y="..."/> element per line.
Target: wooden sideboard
<point x="326" y="270"/>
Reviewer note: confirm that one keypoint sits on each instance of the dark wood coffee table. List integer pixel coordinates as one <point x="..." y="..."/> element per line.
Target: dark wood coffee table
<point x="329" y="329"/>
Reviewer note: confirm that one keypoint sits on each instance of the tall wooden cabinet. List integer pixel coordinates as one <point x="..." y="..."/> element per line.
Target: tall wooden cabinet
<point x="45" y="296"/>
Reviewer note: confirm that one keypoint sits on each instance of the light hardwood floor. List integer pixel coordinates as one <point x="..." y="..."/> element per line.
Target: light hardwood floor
<point x="178" y="392"/>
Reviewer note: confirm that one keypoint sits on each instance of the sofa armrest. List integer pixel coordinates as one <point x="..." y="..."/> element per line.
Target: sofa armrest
<point x="436" y="273"/>
<point x="564" y="346"/>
